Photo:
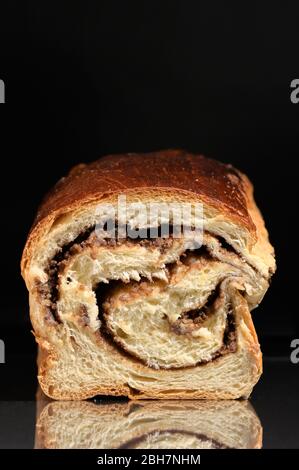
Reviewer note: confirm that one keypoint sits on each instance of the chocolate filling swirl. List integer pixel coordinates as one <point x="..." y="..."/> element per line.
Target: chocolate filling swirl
<point x="187" y="323"/>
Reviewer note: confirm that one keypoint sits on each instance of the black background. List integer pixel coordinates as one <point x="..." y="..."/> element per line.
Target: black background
<point x="90" y="78"/>
<point x="84" y="79"/>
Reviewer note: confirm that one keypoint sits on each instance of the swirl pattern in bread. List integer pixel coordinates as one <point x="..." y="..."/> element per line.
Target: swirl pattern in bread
<point x="148" y="317"/>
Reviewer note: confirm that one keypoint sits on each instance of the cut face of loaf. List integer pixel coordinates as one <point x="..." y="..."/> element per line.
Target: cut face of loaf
<point x="149" y="425"/>
<point x="148" y="317"/>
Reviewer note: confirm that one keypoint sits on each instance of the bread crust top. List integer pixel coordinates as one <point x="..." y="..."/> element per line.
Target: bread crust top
<point x="170" y="176"/>
<point x="221" y="184"/>
<point x="175" y="172"/>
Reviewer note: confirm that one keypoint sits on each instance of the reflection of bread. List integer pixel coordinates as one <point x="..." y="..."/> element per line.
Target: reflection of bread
<point x="172" y="323"/>
<point x="146" y="424"/>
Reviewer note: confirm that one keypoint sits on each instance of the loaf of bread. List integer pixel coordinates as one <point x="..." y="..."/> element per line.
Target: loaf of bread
<point x="130" y="305"/>
<point x="164" y="424"/>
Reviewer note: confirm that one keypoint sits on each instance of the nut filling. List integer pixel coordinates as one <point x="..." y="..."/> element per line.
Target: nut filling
<point x="185" y="325"/>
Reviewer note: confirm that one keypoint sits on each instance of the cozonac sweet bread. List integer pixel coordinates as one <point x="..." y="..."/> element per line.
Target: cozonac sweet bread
<point x="142" y="271"/>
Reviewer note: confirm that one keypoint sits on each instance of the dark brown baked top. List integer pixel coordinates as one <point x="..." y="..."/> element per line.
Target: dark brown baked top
<point x="221" y="184"/>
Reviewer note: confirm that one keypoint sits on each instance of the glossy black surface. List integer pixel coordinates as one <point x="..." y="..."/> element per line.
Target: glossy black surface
<point x="275" y="401"/>
<point x="85" y="82"/>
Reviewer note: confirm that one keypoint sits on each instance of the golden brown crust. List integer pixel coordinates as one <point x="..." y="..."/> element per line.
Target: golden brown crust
<point x="215" y="181"/>
<point x="172" y="173"/>
<point x="219" y="185"/>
